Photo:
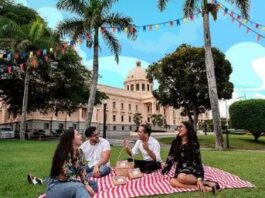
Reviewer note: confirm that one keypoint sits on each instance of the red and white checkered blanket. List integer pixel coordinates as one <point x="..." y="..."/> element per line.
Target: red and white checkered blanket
<point x="158" y="184"/>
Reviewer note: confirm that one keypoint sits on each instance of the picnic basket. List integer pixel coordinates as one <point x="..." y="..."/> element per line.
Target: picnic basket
<point x="122" y="167"/>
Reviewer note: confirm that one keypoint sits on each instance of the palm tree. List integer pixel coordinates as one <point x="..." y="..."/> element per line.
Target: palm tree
<point x="28" y="38"/>
<point x="94" y="16"/>
<point x="190" y="6"/>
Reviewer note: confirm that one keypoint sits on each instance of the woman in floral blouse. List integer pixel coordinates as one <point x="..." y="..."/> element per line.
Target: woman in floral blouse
<point x="185" y="151"/>
<point x="68" y="177"/>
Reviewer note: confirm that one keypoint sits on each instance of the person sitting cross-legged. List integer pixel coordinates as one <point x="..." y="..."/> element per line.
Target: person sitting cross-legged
<point x="149" y="147"/>
<point x="97" y="152"/>
<point x="185" y="151"/>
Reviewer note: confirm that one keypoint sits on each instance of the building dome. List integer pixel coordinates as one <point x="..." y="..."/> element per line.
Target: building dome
<point x="137" y="73"/>
<point x="136" y="80"/>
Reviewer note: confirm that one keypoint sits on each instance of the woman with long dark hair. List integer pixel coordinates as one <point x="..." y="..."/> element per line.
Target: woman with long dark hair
<point x="68" y="177"/>
<point x="185" y="151"/>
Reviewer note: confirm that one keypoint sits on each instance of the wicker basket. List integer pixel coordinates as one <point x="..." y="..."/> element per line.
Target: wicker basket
<point x="122" y="167"/>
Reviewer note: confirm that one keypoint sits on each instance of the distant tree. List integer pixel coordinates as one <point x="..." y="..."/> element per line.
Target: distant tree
<point x="137" y="118"/>
<point x="93" y="16"/>
<point x="183" y="82"/>
<point x="248" y="115"/>
<point x="157" y="119"/>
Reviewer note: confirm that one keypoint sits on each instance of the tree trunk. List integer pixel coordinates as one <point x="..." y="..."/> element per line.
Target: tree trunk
<point x="219" y="142"/>
<point x="24" y="105"/>
<point x="93" y="86"/>
<point x="195" y="117"/>
<point x="189" y="115"/>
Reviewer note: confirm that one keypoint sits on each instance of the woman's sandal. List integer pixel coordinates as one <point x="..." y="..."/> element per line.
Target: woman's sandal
<point x="34" y="180"/>
<point x="213" y="185"/>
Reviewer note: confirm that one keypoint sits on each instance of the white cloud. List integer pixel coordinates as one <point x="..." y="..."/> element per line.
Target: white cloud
<point x="51" y="15"/>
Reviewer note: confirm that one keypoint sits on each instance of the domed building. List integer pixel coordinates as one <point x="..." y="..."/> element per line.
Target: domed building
<point x="123" y="104"/>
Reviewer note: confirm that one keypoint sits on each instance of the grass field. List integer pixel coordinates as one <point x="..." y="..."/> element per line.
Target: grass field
<point x="242" y="142"/>
<point x="18" y="158"/>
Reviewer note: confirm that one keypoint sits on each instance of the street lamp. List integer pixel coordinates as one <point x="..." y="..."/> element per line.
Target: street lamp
<point x="227" y="124"/>
<point x="104" y="117"/>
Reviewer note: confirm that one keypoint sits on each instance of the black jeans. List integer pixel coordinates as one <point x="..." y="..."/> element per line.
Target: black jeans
<point x="146" y="166"/>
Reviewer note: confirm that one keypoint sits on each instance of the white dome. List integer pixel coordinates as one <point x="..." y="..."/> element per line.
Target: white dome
<point x="137" y="73"/>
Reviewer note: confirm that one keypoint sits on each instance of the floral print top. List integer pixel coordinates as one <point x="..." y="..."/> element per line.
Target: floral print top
<point x="76" y="170"/>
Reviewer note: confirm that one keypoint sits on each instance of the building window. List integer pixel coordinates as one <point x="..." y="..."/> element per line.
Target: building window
<point x="137" y="87"/>
<point x="122" y="118"/>
<point x="151" y="87"/>
<point x="143" y="87"/>
<point x="122" y="128"/>
<point x="148" y="108"/>
<point x="147" y="87"/>
<point x="148" y="119"/>
<point x="130" y="107"/>
<point x="131" y="87"/>
<point x="174" y="122"/>
<point x="130" y="128"/>
<point x="46" y="126"/>
<point x="136" y="107"/>
<point x="114" y="105"/>
<point x="128" y="87"/>
<point x="114" y="118"/>
<point x="114" y="128"/>
<point x="157" y="107"/>
<point x="122" y="106"/>
<point x="130" y="118"/>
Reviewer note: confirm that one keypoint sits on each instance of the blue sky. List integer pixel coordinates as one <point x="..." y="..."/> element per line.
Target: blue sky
<point x="246" y="54"/>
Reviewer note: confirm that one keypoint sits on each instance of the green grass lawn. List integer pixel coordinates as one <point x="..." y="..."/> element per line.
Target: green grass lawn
<point x="18" y="158"/>
<point x="245" y="142"/>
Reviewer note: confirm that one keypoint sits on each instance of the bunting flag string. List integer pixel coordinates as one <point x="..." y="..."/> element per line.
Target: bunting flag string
<point x="243" y="22"/>
<point x="239" y="17"/>
<point x="144" y="28"/>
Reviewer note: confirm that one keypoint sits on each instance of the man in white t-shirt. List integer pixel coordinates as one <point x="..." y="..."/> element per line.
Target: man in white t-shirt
<point x="149" y="147"/>
<point x="97" y="152"/>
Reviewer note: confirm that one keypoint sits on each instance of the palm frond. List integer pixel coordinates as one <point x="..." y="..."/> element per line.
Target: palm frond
<point x="75" y="6"/>
<point x="37" y="29"/>
<point x="118" y="21"/>
<point x="213" y="9"/>
<point x="107" y="4"/>
<point x="112" y="43"/>
<point x="23" y="45"/>
<point x="189" y="7"/>
<point x="243" y="6"/>
<point x="162" y="4"/>
<point x="73" y="27"/>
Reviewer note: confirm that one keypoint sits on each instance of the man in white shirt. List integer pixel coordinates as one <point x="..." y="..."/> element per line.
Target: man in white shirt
<point x="149" y="147"/>
<point x="97" y="152"/>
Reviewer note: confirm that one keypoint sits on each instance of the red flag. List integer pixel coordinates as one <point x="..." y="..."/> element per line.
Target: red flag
<point x="9" y="69"/>
<point x="21" y="67"/>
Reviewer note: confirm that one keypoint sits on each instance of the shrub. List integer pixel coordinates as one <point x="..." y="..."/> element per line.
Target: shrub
<point x="249" y="115"/>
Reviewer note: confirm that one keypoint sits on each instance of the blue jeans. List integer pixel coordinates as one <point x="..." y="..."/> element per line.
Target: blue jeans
<point x="103" y="171"/>
<point x="69" y="189"/>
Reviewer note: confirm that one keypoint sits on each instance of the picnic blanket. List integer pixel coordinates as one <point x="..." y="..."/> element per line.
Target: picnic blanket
<point x="157" y="184"/>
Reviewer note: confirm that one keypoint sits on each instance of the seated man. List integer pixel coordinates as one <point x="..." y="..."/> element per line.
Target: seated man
<point x="149" y="148"/>
<point x="97" y="153"/>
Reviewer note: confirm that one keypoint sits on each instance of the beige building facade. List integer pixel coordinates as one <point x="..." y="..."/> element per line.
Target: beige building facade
<point x="122" y="105"/>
